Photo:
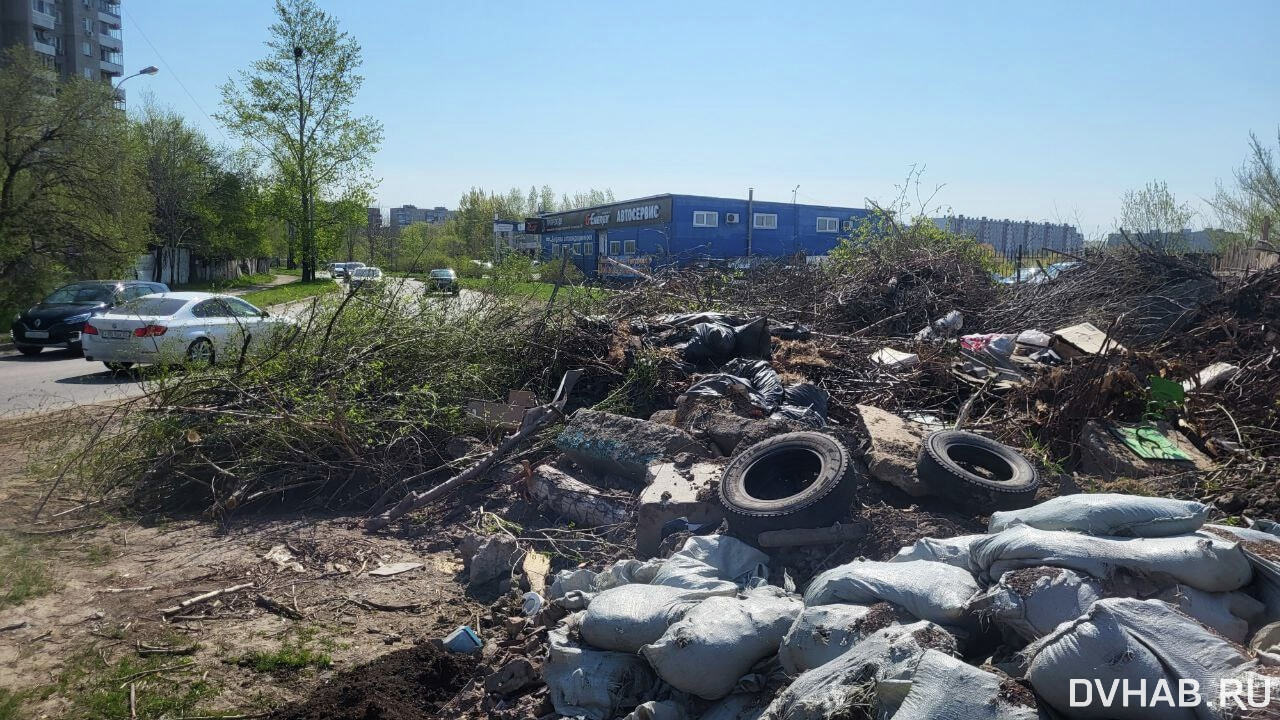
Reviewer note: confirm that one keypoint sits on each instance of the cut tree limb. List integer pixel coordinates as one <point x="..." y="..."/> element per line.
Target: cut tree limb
<point x="812" y="536"/>
<point x="276" y="607"/>
<point x="534" y="419"/>
<point x="572" y="498"/>
<point x="205" y="597"/>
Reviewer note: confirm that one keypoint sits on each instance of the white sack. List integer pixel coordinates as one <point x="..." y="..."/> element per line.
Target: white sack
<point x="1207" y="564"/>
<point x="593" y="684"/>
<point x="1229" y="613"/>
<point x="1110" y="514"/>
<point x="832" y="689"/>
<point x="739" y="706"/>
<point x="952" y="551"/>
<point x="626" y="571"/>
<point x="717" y="642"/>
<point x="928" y="590"/>
<point x="708" y="561"/>
<point x="1129" y="641"/>
<point x="1263" y="551"/>
<point x="658" y="710"/>
<point x="1032" y="602"/>
<point x="627" y="617"/>
<point x="567" y="581"/>
<point x="944" y="688"/>
<point x="823" y="632"/>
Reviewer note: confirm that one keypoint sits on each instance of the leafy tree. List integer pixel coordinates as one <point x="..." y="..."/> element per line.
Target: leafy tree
<point x="295" y="107"/>
<point x="1254" y="204"/>
<point x="590" y="198"/>
<point x="1155" y="214"/>
<point x="72" y="198"/>
<point x="892" y="237"/>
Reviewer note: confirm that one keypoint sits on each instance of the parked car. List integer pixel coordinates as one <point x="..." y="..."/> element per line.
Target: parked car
<point x="178" y="327"/>
<point x="366" y="278"/>
<point x="343" y="270"/>
<point x="443" y="280"/>
<point x="58" y="320"/>
<point x="1056" y="269"/>
<point x="1025" y="275"/>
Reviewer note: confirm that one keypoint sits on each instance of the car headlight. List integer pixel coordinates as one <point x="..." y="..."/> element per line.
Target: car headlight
<point x="82" y="317"/>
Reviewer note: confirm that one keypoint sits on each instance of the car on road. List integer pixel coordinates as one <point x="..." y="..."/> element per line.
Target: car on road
<point x="366" y="278"/>
<point x="58" y="320"/>
<point x="194" y="328"/>
<point x="343" y="270"/>
<point x="443" y="280"/>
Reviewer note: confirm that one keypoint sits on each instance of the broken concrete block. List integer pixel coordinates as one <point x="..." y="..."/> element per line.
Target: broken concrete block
<point x="624" y="446"/>
<point x="1083" y="339"/>
<point x="895" y="445"/>
<point x="1211" y="377"/>
<point x="573" y="499"/>
<point x="493" y="560"/>
<point x="1104" y="454"/>
<point x="674" y="493"/>
<point x="895" y="359"/>
<point x="515" y="675"/>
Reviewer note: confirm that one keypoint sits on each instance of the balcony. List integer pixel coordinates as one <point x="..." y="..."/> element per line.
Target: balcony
<point x="44" y="48"/>
<point x="111" y="68"/>
<point x="108" y="41"/>
<point x="43" y="20"/>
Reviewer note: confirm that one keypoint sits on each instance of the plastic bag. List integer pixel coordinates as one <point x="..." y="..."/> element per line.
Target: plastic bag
<point x="928" y="590"/>
<point x="719" y="640"/>
<point x="824" y="632"/>
<point x="944" y="688"/>
<point x="1204" y="563"/>
<point x="593" y="684"/>
<point x="952" y="551"/>
<point x="710" y="341"/>
<point x="1126" y="642"/>
<point x="1110" y="514"/>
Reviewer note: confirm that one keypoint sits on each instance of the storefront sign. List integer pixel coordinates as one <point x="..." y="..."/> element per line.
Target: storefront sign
<point x="644" y="212"/>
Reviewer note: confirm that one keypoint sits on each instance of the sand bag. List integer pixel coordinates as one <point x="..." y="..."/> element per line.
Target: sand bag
<point x="928" y="590"/>
<point x="717" y="642"/>
<point x="658" y="710"/>
<point x="738" y="706"/>
<point x="1230" y="613"/>
<point x="944" y="688"/>
<point x="952" y="551"/>
<point x="1110" y="514"/>
<point x="629" y="616"/>
<point x="1263" y="552"/>
<point x="1033" y="602"/>
<point x="708" y="562"/>
<point x="1121" y="642"/>
<point x="626" y="571"/>
<point x="830" y="690"/>
<point x="593" y="684"/>
<point x="824" y="632"/>
<point x="1204" y="563"/>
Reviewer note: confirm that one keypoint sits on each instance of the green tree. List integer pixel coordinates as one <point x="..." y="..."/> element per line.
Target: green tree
<point x="295" y="107"/>
<point x="1253" y="205"/>
<point x="1155" y="214"/>
<point x="72" y="198"/>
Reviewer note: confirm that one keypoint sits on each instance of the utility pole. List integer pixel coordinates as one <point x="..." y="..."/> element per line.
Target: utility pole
<point x="751" y="218"/>
<point x="795" y="217"/>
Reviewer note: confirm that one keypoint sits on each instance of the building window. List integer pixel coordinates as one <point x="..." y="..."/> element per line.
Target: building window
<point x="828" y="225"/>
<point x="847" y="225"/>
<point x="88" y="73"/>
<point x="87" y="49"/>
<point x="588" y="248"/>
<point x="615" y="247"/>
<point x="765" y="221"/>
<point x="705" y="218"/>
<point x="629" y="247"/>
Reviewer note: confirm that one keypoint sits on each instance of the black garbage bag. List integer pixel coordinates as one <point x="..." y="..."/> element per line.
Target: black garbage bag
<point x="751" y="339"/>
<point x="753" y="378"/>
<point x="710" y="341"/>
<point x="805" y="402"/>
<point x="790" y="331"/>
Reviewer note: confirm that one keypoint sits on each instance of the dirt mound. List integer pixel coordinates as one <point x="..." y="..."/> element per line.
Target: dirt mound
<point x="409" y="684"/>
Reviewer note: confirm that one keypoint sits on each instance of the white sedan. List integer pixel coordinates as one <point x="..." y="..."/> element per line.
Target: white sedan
<point x="178" y="327"/>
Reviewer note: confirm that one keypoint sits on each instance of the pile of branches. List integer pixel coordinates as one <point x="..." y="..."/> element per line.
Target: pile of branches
<point x="360" y="401"/>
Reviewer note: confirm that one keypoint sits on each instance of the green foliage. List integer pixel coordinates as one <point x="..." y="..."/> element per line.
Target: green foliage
<point x="1156" y="216"/>
<point x="74" y="204"/>
<point x="291" y="292"/>
<point x="98" y="687"/>
<point x="11" y="704"/>
<point x="885" y="236"/>
<point x="1254" y="203"/>
<point x="294" y="107"/>
<point x="24" y="575"/>
<point x="292" y="656"/>
<point x="1163" y="396"/>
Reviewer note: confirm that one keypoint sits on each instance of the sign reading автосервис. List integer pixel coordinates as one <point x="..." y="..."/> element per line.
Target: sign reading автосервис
<point x="633" y="213"/>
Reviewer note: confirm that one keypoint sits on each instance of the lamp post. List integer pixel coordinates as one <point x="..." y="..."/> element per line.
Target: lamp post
<point x="148" y="70"/>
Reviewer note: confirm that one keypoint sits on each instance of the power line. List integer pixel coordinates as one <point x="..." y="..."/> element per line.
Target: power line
<point x="134" y="23"/>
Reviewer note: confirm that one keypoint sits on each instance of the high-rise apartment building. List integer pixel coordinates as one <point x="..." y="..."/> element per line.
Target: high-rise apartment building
<point x="75" y="37"/>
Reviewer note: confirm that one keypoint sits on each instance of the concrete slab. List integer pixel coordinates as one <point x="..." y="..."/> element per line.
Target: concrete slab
<point x="672" y="493"/>
<point x="895" y="445"/>
<point x="625" y="446"/>
<point x="1102" y="453"/>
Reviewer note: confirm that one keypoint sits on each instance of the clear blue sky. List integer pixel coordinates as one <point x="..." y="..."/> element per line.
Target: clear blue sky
<point x="1022" y="109"/>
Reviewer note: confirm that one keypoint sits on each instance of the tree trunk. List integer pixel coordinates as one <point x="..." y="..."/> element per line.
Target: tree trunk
<point x="289" y="262"/>
<point x="574" y="500"/>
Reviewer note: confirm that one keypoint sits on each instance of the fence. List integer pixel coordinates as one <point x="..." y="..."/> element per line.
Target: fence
<point x="179" y="267"/>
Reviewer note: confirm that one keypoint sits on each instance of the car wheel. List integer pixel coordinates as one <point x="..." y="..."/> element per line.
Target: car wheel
<point x="30" y="349"/>
<point x="793" y="480"/>
<point x="455" y="291"/>
<point x="976" y="471"/>
<point x="200" y="353"/>
<point x="118" y="367"/>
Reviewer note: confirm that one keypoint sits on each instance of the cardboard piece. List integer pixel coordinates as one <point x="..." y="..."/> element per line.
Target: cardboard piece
<point x="1082" y="339"/>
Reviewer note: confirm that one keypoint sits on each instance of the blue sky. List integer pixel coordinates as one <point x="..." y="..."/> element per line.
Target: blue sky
<point x="1038" y="110"/>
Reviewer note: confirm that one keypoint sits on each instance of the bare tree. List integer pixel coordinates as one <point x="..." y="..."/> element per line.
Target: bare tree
<point x="1253" y="206"/>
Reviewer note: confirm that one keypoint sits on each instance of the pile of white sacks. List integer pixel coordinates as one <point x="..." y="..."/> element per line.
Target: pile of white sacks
<point x="1114" y="592"/>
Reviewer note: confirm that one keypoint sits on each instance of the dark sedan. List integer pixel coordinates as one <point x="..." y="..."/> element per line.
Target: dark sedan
<point x="442" y="280"/>
<point x="59" y="318"/>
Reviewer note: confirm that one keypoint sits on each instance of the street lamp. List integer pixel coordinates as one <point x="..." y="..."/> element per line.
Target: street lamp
<point x="148" y="70"/>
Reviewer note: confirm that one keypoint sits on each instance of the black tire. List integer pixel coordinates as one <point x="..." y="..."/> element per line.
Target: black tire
<point x="793" y="480"/>
<point x="977" y="472"/>
<point x="29" y="349"/>
<point x="200" y="353"/>
<point x="118" y="367"/>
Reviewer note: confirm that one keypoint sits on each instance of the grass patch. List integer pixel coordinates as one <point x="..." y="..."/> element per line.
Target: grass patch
<point x="293" y="655"/>
<point x="289" y="292"/>
<point x="24" y="575"/>
<point x="99" y="688"/>
<point x="230" y="284"/>
<point x="11" y="704"/>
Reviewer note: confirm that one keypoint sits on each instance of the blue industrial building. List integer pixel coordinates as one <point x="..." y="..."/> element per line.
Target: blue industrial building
<point x="664" y="230"/>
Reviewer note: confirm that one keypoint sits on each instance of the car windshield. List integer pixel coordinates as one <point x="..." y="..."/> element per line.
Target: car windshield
<point x="81" y="294"/>
<point x="442" y="273"/>
<point x="151" y="307"/>
<point x="367" y="273"/>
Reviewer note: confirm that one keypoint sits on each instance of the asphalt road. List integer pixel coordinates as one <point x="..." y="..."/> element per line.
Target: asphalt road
<point x="61" y="379"/>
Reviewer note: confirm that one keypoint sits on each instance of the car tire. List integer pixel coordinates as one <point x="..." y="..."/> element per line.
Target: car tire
<point x="977" y="472"/>
<point x="200" y="353"/>
<point x="118" y="367"/>
<point x="793" y="480"/>
<point x="29" y="349"/>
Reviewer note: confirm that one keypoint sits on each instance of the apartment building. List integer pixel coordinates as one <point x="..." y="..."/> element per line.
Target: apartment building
<point x="75" y="37"/>
<point x="406" y="215"/>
